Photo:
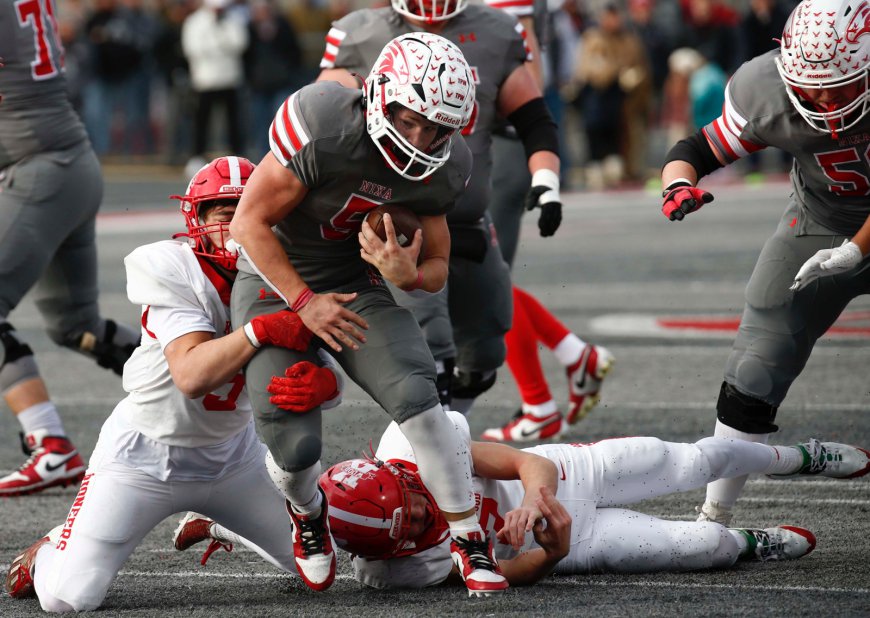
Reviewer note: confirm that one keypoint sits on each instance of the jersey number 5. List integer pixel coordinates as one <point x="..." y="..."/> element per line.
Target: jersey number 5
<point x="225" y="403"/>
<point x="39" y="16"/>
<point x="348" y="220"/>
<point x="845" y="182"/>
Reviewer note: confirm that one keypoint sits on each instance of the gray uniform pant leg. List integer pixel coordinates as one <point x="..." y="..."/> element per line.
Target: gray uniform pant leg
<point x="394" y="367"/>
<point x="481" y="308"/>
<point x="432" y="313"/>
<point x="48" y="205"/>
<point x="779" y="328"/>
<point x="510" y="183"/>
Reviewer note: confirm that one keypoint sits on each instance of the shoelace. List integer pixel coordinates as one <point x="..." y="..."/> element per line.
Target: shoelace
<point x="768" y="548"/>
<point x="311" y="534"/>
<point x="212" y="548"/>
<point x="818" y="459"/>
<point x="477" y="552"/>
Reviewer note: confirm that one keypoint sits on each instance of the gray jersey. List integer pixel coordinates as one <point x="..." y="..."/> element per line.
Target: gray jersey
<point x="35" y="114"/>
<point x="319" y="133"/>
<point x="492" y="43"/>
<point x="831" y="177"/>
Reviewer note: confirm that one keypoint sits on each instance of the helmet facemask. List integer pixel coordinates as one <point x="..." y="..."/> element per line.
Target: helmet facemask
<point x="826" y="45"/>
<point x="429" y="10"/>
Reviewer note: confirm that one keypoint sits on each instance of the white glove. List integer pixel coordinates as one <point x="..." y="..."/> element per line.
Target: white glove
<point x="827" y="262"/>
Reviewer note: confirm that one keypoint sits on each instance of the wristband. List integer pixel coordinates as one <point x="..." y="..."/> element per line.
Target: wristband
<point x="417" y="283"/>
<point x="550" y="179"/>
<point x="677" y="182"/>
<point x="302" y="300"/>
<point x="249" y="333"/>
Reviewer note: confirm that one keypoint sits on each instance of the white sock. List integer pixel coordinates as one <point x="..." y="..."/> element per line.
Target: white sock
<point x="299" y="488"/>
<point x="742" y="541"/>
<point x="789" y="460"/>
<point x="41" y="416"/>
<point x="568" y="351"/>
<point x="462" y="527"/>
<point x="540" y="410"/>
<point x="443" y="459"/>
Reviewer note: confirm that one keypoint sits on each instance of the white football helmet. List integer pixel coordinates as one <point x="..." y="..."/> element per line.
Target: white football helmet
<point x="429" y="10"/>
<point x="826" y="44"/>
<point x="429" y="75"/>
<point x="223" y="179"/>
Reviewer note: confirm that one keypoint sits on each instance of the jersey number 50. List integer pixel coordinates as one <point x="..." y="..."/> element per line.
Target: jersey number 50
<point x="39" y="15"/>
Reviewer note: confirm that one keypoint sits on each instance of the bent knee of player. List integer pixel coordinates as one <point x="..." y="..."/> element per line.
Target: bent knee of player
<point x="727" y="551"/>
<point x="80" y="592"/>
<point x="715" y="455"/>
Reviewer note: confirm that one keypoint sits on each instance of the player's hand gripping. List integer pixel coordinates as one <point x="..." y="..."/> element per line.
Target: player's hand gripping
<point x="326" y="317"/>
<point x="282" y="328"/>
<point x="303" y="387"/>
<point x="545" y="195"/>
<point x="681" y="198"/>
<point x="555" y="537"/>
<point x="517" y="523"/>
<point x="827" y="262"/>
<point x="396" y="263"/>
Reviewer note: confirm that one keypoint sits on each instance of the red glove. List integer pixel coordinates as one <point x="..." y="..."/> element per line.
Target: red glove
<point x="681" y="198"/>
<point x="282" y="328"/>
<point x="304" y="387"/>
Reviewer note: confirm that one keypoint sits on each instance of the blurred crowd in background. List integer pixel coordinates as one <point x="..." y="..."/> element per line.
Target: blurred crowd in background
<point x="176" y="81"/>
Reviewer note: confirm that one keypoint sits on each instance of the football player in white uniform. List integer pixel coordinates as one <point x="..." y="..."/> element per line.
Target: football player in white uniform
<point x="809" y="98"/>
<point x="558" y="507"/>
<point x="183" y="439"/>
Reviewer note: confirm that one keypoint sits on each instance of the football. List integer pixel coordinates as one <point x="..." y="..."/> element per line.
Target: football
<point x="405" y="222"/>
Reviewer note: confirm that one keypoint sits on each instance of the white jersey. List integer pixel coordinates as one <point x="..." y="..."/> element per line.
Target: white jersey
<point x="177" y="298"/>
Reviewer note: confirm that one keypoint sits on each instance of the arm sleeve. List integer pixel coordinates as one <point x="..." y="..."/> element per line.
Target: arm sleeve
<point x="290" y="141"/>
<point x="170" y="323"/>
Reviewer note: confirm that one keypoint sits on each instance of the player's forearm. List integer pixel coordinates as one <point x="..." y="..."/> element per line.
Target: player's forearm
<point x="342" y="76"/>
<point x="208" y="365"/>
<point x="544" y="159"/>
<point x="862" y="238"/>
<point x="529" y="567"/>
<point x="536" y="472"/>
<point x="434" y="274"/>
<point x="678" y="169"/>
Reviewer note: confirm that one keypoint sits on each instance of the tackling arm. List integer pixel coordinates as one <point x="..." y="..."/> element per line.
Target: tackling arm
<point x="342" y="76"/>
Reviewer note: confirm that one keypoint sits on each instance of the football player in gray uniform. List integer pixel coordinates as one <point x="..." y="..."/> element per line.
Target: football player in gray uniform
<point x="820" y="117"/>
<point x="337" y="153"/>
<point x="50" y="190"/>
<point x="465" y="328"/>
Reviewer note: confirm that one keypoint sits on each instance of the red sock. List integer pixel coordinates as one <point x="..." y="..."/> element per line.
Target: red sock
<point x="522" y="356"/>
<point x="548" y="329"/>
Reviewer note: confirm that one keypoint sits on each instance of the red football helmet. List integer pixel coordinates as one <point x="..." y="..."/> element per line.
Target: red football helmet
<point x="222" y="179"/>
<point x="369" y="509"/>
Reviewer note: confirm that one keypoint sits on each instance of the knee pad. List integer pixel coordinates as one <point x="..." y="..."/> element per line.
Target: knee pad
<point x="108" y="352"/>
<point x="444" y="380"/>
<point x="471" y="384"/>
<point x="16" y="359"/>
<point x="743" y="412"/>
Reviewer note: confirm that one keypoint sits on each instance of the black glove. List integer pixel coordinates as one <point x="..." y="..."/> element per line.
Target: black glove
<point x="545" y="185"/>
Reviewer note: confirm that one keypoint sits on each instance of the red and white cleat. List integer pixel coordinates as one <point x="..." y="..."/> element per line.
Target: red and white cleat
<point x="779" y="543"/>
<point x="526" y="427"/>
<point x="584" y="381"/>
<point x="195" y="528"/>
<point x="53" y="461"/>
<point x="312" y="547"/>
<point x="19" y="578"/>
<point x="478" y="567"/>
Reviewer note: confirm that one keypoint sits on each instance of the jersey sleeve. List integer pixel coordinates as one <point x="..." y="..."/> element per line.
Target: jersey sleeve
<point x="731" y="135"/>
<point x="517" y="8"/>
<point x="167" y="324"/>
<point x="341" y="51"/>
<point x="428" y="568"/>
<point x="289" y="140"/>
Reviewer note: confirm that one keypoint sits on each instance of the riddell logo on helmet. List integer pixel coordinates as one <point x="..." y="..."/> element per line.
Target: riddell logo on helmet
<point x="228" y="188"/>
<point x="397" y="523"/>
<point x="817" y="75"/>
<point x="443" y="118"/>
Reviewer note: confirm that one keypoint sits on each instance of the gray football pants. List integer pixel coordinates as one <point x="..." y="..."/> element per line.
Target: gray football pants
<point x="468" y="319"/>
<point x="779" y="328"/>
<point x="394" y="366"/>
<point x="510" y="183"/>
<point x="48" y="205"/>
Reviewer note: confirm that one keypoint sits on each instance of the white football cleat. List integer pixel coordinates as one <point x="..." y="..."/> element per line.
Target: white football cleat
<point x="312" y="547"/>
<point x="831" y="459"/>
<point x="584" y="381"/>
<point x="478" y="567"/>
<point x="53" y="461"/>
<point x="779" y="543"/>
<point x="526" y="427"/>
